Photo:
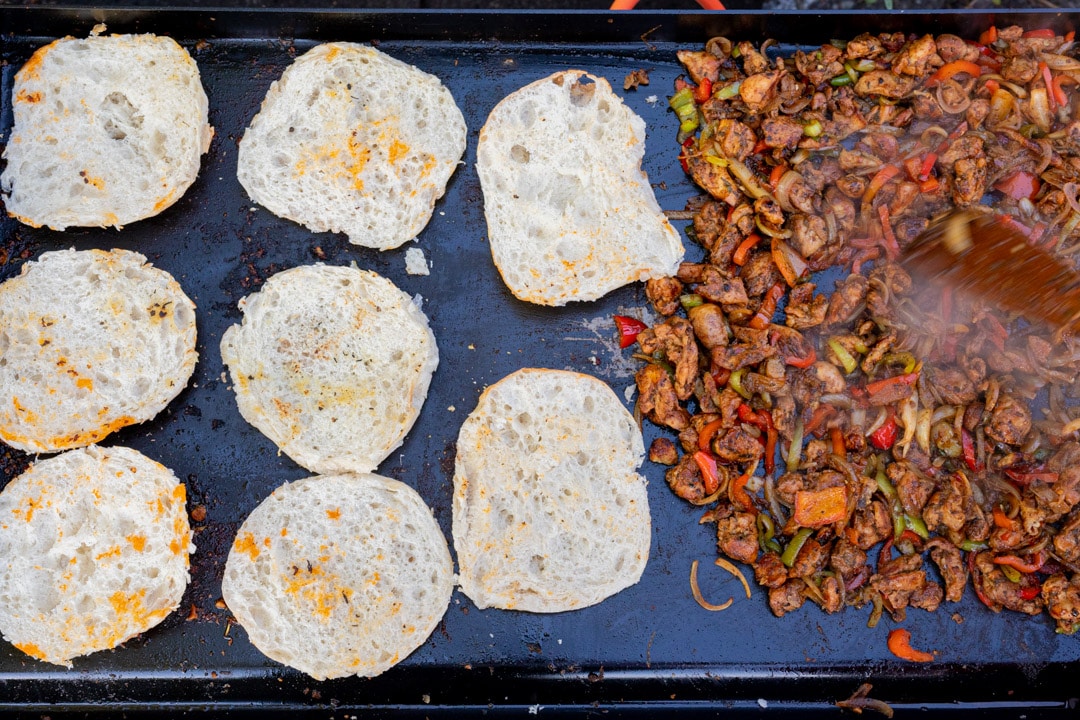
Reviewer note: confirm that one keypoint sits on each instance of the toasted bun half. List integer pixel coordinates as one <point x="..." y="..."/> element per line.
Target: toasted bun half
<point x="549" y="511"/>
<point x="94" y="549"/>
<point x="91" y="341"/>
<point x="570" y="213"/>
<point x="108" y="130"/>
<point x="351" y="140"/>
<point x="332" y="364"/>
<point x="339" y="575"/>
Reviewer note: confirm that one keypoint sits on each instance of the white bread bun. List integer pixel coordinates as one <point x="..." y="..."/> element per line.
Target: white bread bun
<point x="94" y="545"/>
<point x="351" y="140"/>
<point x="570" y="213"/>
<point x="108" y="130"/>
<point x="332" y="364"/>
<point x="90" y="341"/>
<point x="339" y="575"/>
<point x="549" y="511"/>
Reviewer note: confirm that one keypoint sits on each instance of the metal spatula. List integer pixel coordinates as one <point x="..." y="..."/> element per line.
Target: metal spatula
<point x="976" y="253"/>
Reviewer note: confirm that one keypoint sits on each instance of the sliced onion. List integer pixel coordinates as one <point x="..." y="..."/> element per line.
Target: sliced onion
<point x="836" y="400"/>
<point x="1039" y="109"/>
<point x="945" y="412"/>
<point x="882" y="416"/>
<point x="1001" y="106"/>
<point x="696" y="591"/>
<point x="830" y="224"/>
<point x="801" y="155"/>
<point x="932" y="136"/>
<point x="710" y="499"/>
<point x="1070" y="189"/>
<point x="766" y="230"/>
<point x="958" y="106"/>
<point x="718" y="43"/>
<point x="1017" y="90"/>
<point x="1059" y="62"/>
<point x="909" y="409"/>
<point x="791" y="264"/>
<point x="783" y="189"/>
<point x="721" y="562"/>
<point x="749" y="182"/>
<point x="922" y="430"/>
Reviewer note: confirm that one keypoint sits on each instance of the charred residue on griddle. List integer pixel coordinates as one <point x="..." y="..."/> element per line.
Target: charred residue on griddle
<point x="12" y="463"/>
<point x="446" y="460"/>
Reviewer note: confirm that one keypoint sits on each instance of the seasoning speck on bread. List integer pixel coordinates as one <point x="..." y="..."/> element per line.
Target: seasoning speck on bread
<point x="108" y="130"/>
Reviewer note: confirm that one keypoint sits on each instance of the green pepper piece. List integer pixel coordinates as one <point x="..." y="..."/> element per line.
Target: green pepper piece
<point x="792" y="550"/>
<point x="841" y="81"/>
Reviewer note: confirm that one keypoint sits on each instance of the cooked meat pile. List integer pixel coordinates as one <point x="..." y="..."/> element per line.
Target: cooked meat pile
<point x="859" y="438"/>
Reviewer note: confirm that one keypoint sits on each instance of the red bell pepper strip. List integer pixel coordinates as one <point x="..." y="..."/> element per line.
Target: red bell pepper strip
<point x="760" y="147"/>
<point x="929" y="185"/>
<point x="770" y="448"/>
<point x="629" y="328"/>
<point x="764" y="314"/>
<point x="1018" y="563"/>
<point x="802" y="362"/>
<point x="742" y="253"/>
<point x="879" y="386"/>
<point x="1025" y="477"/>
<point x="818" y="508"/>
<point x="927" y="166"/>
<point x="1058" y="92"/>
<point x="955" y="67"/>
<point x="1030" y="592"/>
<point x="1070" y="36"/>
<point x="1044" y="33"/>
<point x="687" y="145"/>
<point x="737" y="491"/>
<point x="992" y="86"/>
<point x="1021" y="184"/>
<point x="967" y="445"/>
<point x="900" y="646"/>
<point x="703" y="91"/>
<point x="836" y="435"/>
<point x="707" y="465"/>
<point x="883" y="176"/>
<point x="707" y="433"/>
<point x="989" y="36"/>
<point x="821" y="415"/>
<point x="776" y="174"/>
<point x="1048" y="80"/>
<point x="885" y="436"/>
<point x="892" y="248"/>
<point x="1003" y="521"/>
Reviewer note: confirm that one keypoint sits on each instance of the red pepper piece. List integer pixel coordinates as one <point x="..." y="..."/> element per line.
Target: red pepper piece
<point x="776" y="174"/>
<point x="764" y="314"/>
<point x="742" y="253"/>
<point x="1018" y="563"/>
<point x="770" y="447"/>
<point x="892" y="248"/>
<point x="707" y="465"/>
<point x="967" y="445"/>
<point x="703" y="91"/>
<point x="989" y="36"/>
<point x="885" y="436"/>
<point x="1048" y="80"/>
<point x="629" y="328"/>
<point x="760" y="147"/>
<point x="1022" y="476"/>
<point x="1030" y="592"/>
<point x="1021" y="184"/>
<point x="837" y="437"/>
<point x="817" y="421"/>
<point x="927" y="166"/>
<point x="708" y="433"/>
<point x="738" y="493"/>
<point x="900" y="646"/>
<point x="802" y="362"/>
<point x="955" y="67"/>
<point x="1003" y="521"/>
<point x="880" y="386"/>
<point x="687" y="145"/>
<point x="1044" y="33"/>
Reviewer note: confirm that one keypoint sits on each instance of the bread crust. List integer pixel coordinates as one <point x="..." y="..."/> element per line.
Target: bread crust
<point x="108" y="130"/>
<point x="351" y="140"/>
<point x="110" y="346"/>
<point x="95" y="545"/>
<point x="331" y="363"/>
<point x="549" y="511"/>
<point x="570" y="213"/>
<point x="339" y="575"/>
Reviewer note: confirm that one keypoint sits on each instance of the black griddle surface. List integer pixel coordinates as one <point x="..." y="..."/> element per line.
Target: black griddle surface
<point x="649" y="649"/>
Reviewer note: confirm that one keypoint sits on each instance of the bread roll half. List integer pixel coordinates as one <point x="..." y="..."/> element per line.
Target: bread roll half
<point x="94" y="547"/>
<point x="570" y="213"/>
<point x="331" y="363"/>
<point x="352" y="140"/>
<point x="550" y="513"/>
<point x="339" y="575"/>
<point x="108" y="130"/>
<point x="90" y="342"/>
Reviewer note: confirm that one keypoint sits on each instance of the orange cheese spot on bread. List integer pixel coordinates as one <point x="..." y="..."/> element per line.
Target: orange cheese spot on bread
<point x="138" y="542"/>
<point x="31" y="649"/>
<point x="334" y="514"/>
<point x="246" y="544"/>
<point x="32" y="69"/>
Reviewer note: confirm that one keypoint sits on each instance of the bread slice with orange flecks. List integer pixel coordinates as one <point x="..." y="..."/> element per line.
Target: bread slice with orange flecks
<point x="339" y="575"/>
<point x="94" y="549"/>
<point x="108" y="130"/>
<point x="352" y="140"/>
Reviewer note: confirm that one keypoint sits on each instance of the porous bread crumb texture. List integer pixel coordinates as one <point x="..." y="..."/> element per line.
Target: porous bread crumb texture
<point x="549" y="511"/>
<point x="339" y="575"/>
<point x="331" y="363"/>
<point x="570" y="212"/>
<point x="108" y="130"/>
<point x="95" y="545"/>
<point x="90" y="341"/>
<point x="351" y="140"/>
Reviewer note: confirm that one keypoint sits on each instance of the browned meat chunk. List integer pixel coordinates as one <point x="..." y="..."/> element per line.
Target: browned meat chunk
<point x="751" y="348"/>
<point x="710" y="222"/>
<point x="853" y="161"/>
<point x="769" y="213"/>
<point x="674" y="338"/>
<point x="664" y="294"/>
<point x="951" y="48"/>
<point x="966" y="146"/>
<point x="952" y="385"/>
<point x="804" y="310"/>
<point x="714" y="180"/>
<point x="753" y="61"/>
<point x="700" y="65"/>
<point x="736" y="537"/>
<point x="782" y="132"/>
<point x="1019" y="69"/>
<point x="884" y="84"/>
<point x="663" y="451"/>
<point x="1067" y="540"/>
<point x="657" y="399"/>
<point x="811" y="559"/>
<point x="819" y="66"/>
<point x="759" y="274"/>
<point x="787" y="598"/>
<point x="1062" y="599"/>
<point x="1010" y="421"/>
<point x="758" y="90"/>
<point x="912" y="486"/>
<point x="928" y="597"/>
<point x="969" y="185"/>
<point x="737" y="445"/>
<point x="769" y="571"/>
<point x="847" y="558"/>
<point x="950" y="564"/>
<point x="719" y="288"/>
<point x="685" y="480"/>
<point x="999" y="590"/>
<point x="872" y="524"/>
<point x="848" y="300"/>
<point x="945" y="510"/>
<point x="864" y="46"/>
<point x="809" y="233"/>
<point x="736" y="139"/>
<point x="832" y="595"/>
<point x="852" y="185"/>
<point x="709" y="324"/>
<point x="916" y="57"/>
<point x="896" y="589"/>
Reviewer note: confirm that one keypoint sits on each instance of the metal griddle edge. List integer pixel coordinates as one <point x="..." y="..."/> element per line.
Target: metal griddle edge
<point x="650" y="651"/>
